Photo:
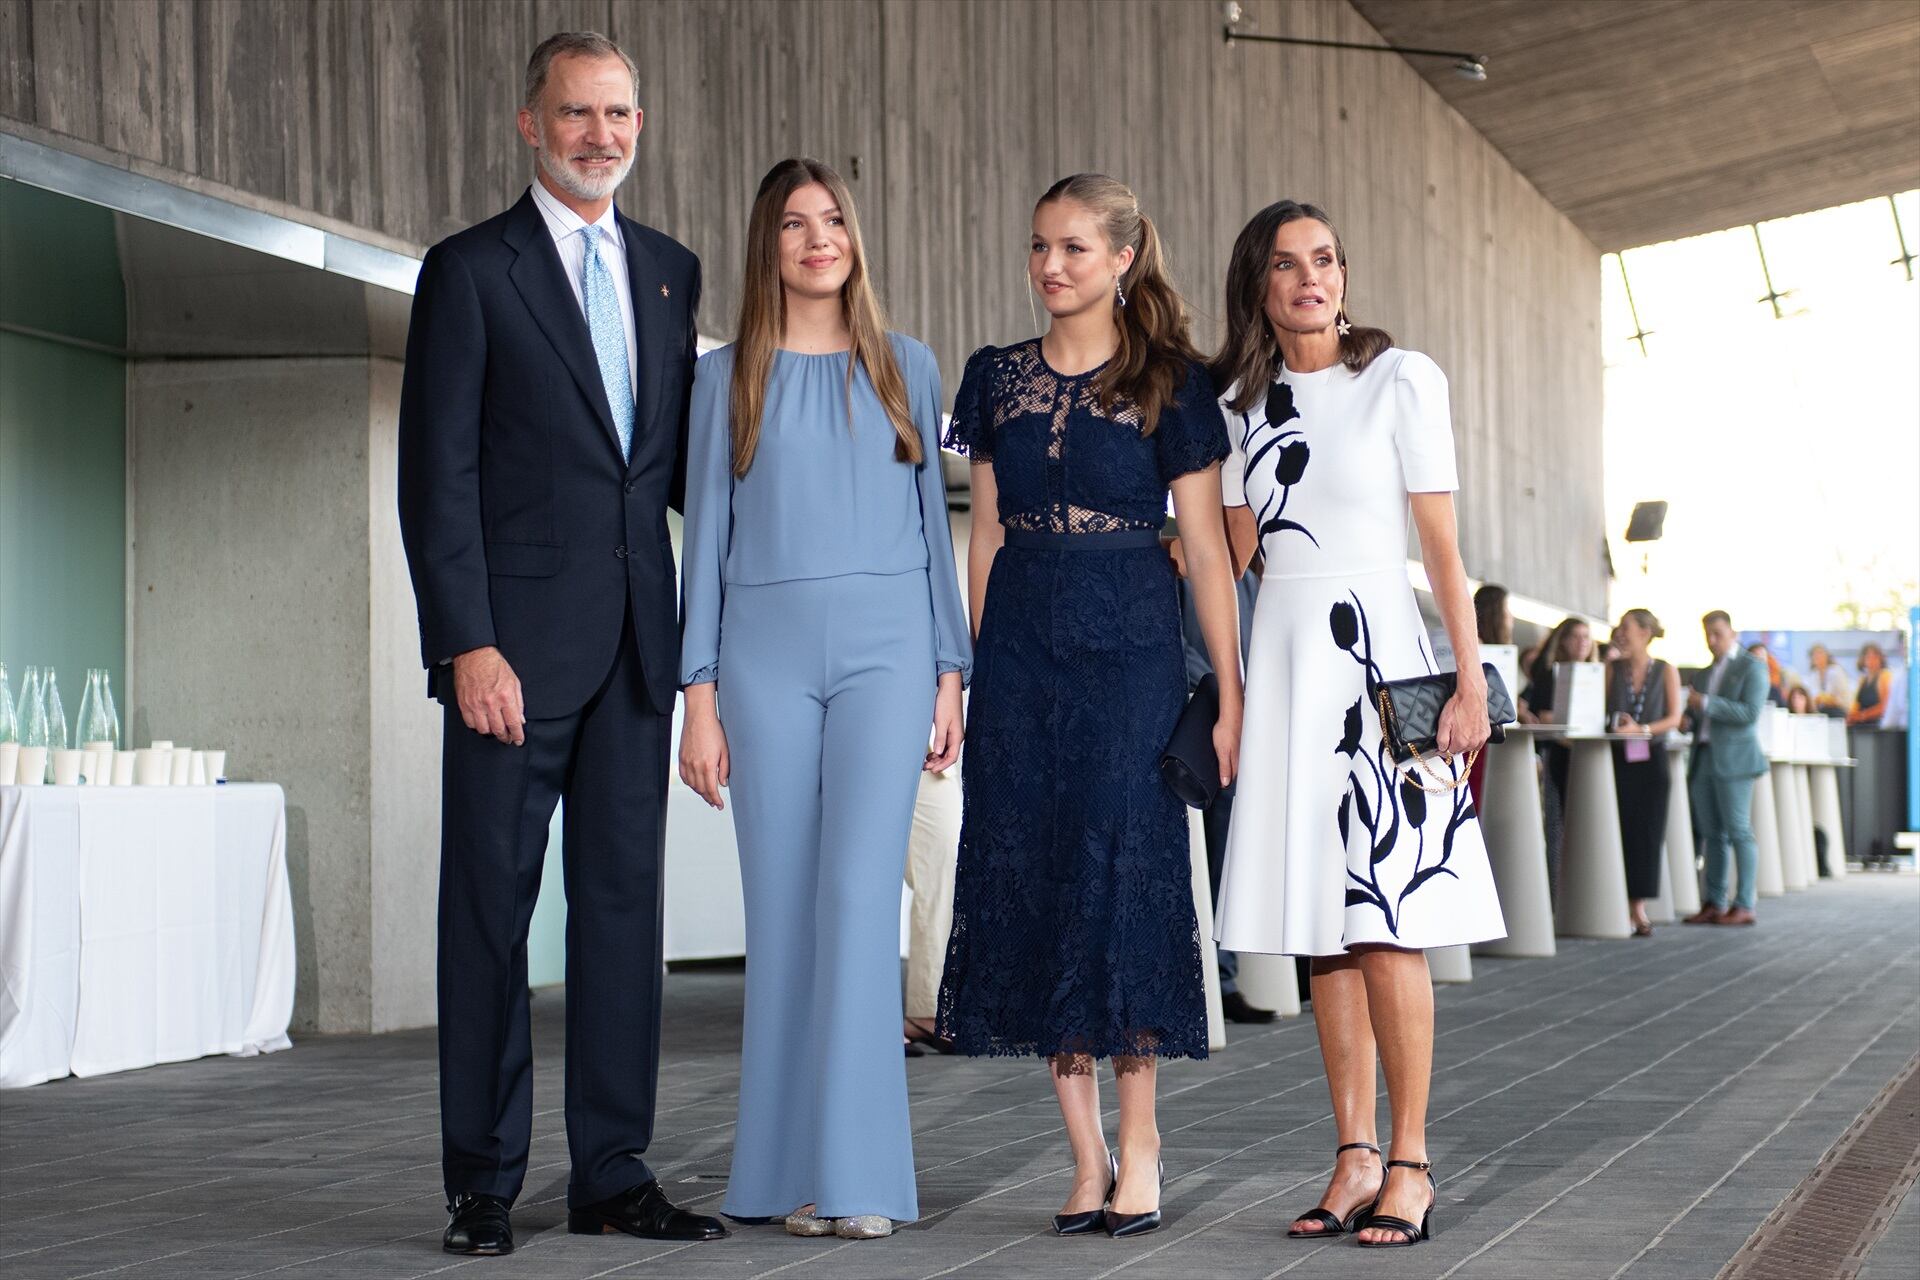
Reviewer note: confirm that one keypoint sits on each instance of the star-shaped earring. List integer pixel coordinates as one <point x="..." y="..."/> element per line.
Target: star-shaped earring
<point x="1343" y="326"/>
<point x="664" y="292"/>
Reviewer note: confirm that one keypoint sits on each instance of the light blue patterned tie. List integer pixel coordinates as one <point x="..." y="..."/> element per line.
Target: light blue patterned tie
<point x="609" y="338"/>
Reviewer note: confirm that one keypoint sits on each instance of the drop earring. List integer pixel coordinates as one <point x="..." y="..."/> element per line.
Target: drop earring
<point x="1342" y="325"/>
<point x="1119" y="294"/>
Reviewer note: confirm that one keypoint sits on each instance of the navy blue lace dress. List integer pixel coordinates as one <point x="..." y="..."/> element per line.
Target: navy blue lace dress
<point x="1073" y="921"/>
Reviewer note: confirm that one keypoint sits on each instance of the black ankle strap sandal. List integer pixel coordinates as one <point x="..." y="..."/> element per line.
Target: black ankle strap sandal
<point x="1331" y="1224"/>
<point x="1405" y="1233"/>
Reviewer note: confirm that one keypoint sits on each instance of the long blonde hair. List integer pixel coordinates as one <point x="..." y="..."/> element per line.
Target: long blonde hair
<point x="763" y="316"/>
<point x="1156" y="352"/>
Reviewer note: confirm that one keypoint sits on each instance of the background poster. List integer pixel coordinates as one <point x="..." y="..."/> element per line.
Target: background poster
<point x="1792" y="650"/>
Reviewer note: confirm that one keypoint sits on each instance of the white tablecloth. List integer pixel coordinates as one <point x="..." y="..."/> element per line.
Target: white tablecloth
<point x="141" y="925"/>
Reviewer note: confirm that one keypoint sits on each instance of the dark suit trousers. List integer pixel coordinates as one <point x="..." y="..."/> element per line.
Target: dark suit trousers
<point x="608" y="763"/>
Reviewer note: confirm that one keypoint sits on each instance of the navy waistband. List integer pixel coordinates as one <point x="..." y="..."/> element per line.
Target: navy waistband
<point x="1122" y="540"/>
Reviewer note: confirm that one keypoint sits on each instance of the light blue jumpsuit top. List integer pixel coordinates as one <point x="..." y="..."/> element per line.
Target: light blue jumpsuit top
<point x="824" y="497"/>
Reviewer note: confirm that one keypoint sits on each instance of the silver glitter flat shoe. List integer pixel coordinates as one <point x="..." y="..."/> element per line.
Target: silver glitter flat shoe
<point x="866" y="1226"/>
<point x="803" y="1223"/>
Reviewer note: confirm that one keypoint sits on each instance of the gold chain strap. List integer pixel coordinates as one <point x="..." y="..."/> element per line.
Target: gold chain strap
<point x="1446" y="784"/>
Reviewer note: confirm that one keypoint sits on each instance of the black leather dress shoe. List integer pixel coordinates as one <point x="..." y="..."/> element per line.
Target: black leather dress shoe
<point x="1235" y="1007"/>
<point x="646" y="1212"/>
<point x="480" y="1226"/>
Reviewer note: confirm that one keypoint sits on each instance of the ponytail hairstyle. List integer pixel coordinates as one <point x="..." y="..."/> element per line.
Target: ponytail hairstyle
<point x="1249" y="361"/>
<point x="1644" y="619"/>
<point x="763" y="317"/>
<point x="1156" y="342"/>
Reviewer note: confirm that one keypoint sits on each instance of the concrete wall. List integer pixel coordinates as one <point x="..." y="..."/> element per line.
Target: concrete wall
<point x="249" y="619"/>
<point x="395" y="117"/>
<point x="271" y="616"/>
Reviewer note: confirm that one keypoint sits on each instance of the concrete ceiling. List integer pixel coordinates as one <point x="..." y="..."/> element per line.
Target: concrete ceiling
<point x="1647" y="120"/>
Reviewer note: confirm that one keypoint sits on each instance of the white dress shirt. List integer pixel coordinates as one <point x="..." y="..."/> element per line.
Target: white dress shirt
<point x="565" y="226"/>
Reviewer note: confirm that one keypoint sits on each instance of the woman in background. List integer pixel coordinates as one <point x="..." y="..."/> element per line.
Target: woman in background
<point x="1643" y="697"/>
<point x="1493" y="623"/>
<point x="1832" y="690"/>
<point x="1876" y="687"/>
<point x="1570" y="641"/>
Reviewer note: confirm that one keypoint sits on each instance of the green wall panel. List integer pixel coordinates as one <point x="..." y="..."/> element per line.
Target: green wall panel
<point x="63" y="445"/>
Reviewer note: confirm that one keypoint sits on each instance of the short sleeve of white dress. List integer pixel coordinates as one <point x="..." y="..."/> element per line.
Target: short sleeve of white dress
<point x="1423" y="426"/>
<point x="1233" y="470"/>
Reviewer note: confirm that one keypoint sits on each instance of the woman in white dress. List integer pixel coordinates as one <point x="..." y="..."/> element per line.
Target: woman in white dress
<point x="1334" y="852"/>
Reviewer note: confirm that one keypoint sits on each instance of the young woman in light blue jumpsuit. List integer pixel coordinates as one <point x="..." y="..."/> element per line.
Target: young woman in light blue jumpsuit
<point x="821" y="598"/>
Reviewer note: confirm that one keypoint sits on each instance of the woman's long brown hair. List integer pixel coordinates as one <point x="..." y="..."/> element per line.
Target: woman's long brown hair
<point x="1249" y="361"/>
<point x="763" y="316"/>
<point x="1156" y="340"/>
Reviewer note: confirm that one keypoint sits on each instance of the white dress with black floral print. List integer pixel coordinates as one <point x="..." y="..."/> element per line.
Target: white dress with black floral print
<point x="1332" y="845"/>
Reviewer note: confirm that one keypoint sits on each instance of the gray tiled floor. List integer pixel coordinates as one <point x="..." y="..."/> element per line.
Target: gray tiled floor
<point x="1629" y="1108"/>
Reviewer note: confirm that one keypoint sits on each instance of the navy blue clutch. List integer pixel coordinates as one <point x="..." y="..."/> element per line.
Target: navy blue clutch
<point x="1189" y="765"/>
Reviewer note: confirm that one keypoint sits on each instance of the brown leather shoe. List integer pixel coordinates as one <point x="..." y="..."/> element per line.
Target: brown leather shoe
<point x="1738" y="915"/>
<point x="1708" y="914"/>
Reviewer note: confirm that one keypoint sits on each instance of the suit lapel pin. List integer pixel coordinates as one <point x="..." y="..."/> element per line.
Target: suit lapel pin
<point x="664" y="291"/>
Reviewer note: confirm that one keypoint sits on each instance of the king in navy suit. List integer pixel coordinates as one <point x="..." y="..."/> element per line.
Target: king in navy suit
<point x="543" y="426"/>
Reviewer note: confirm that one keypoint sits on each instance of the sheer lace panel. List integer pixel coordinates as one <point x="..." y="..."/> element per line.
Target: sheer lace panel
<point x="1030" y="388"/>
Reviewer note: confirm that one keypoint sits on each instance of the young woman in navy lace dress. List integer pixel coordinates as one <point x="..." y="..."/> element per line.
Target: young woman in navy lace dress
<point x="1074" y="935"/>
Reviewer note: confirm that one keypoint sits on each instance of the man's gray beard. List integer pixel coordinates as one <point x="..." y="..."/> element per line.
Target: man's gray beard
<point x="576" y="186"/>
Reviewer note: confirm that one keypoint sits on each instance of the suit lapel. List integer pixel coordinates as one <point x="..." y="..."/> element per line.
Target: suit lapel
<point x="651" y="315"/>
<point x="543" y="286"/>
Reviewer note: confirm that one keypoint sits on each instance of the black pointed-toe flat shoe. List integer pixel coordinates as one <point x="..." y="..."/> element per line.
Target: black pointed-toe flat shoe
<point x="1404" y="1233"/>
<point x="1093" y="1220"/>
<point x="479" y="1226"/>
<point x="644" y="1211"/>
<point x="1332" y="1224"/>
<point x="1120" y="1225"/>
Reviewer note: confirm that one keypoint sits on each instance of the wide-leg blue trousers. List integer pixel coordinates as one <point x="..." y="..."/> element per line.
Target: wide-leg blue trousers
<point x="826" y="695"/>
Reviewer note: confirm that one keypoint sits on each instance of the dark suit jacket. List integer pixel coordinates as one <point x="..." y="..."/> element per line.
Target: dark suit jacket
<point x="524" y="529"/>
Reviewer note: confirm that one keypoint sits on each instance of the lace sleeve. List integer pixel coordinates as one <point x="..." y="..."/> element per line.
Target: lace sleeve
<point x="1192" y="433"/>
<point x="970" y="430"/>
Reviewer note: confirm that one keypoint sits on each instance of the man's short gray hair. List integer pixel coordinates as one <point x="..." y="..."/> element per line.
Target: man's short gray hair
<point x="585" y="44"/>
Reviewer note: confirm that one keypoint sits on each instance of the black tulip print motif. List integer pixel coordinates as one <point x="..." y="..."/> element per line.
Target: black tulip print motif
<point x="1378" y="798"/>
<point x="1288" y="467"/>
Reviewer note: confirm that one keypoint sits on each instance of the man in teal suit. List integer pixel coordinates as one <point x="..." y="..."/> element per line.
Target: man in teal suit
<point x="1726" y="704"/>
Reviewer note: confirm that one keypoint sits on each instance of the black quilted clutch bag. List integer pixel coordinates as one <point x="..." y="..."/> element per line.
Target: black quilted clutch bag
<point x="1188" y="765"/>
<point x="1410" y="716"/>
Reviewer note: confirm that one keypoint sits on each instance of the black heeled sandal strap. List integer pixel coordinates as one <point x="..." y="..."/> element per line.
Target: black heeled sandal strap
<point x="1357" y="1146"/>
<point x="1411" y="1164"/>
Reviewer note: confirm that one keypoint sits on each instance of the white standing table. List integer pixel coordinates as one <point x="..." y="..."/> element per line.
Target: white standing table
<point x="1511" y="821"/>
<point x="141" y="925"/>
<point x="1683" y="875"/>
<point x="1593" y="864"/>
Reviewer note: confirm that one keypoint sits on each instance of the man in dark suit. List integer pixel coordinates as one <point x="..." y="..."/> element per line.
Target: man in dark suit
<point x="543" y="423"/>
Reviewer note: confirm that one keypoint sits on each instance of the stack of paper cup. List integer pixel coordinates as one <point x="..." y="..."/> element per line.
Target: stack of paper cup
<point x="197" y="771"/>
<point x="66" y="766"/>
<point x="9" y="762"/>
<point x="97" y="768"/>
<point x="182" y="764"/>
<point x="216" y="766"/>
<point x="123" y="768"/>
<point x="150" y="766"/>
<point x="32" y="769"/>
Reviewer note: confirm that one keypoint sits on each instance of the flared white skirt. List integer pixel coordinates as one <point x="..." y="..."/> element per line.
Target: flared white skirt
<point x="1331" y="845"/>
